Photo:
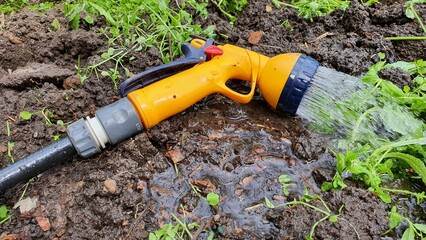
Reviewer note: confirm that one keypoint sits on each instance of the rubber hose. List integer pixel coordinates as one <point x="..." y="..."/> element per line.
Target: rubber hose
<point x="36" y="163"/>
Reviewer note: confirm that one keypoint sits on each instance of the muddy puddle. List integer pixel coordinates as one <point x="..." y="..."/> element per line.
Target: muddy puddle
<point x="238" y="151"/>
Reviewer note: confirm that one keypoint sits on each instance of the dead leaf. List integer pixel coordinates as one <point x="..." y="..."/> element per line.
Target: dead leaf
<point x="255" y="37"/>
<point x="110" y="185"/>
<point x="26" y="205"/>
<point x="205" y="184"/>
<point x="15" y="237"/>
<point x="14" y="39"/>
<point x="3" y="149"/>
<point x="175" y="155"/>
<point x="268" y="8"/>
<point x="43" y="223"/>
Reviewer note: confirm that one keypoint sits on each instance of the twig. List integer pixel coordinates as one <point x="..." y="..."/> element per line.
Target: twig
<point x="203" y="226"/>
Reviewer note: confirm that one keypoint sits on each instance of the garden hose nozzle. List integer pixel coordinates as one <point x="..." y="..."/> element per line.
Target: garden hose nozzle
<point x="158" y="93"/>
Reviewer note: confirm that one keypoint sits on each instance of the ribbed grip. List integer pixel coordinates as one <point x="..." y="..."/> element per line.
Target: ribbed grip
<point x="83" y="140"/>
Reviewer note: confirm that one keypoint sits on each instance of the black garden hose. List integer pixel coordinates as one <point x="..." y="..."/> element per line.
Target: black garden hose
<point x="36" y="163"/>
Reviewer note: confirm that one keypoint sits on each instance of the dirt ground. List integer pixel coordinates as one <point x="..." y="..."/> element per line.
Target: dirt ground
<point x="237" y="150"/>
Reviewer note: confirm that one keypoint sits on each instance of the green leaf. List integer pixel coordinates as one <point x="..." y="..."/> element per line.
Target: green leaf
<point x="408" y="234"/>
<point x="333" y="218"/>
<point x="104" y="13"/>
<point x="60" y="122"/>
<point x="25" y="115"/>
<point x="284" y="179"/>
<point x="326" y="186"/>
<point x="105" y="56"/>
<point x="152" y="236"/>
<point x="409" y="13"/>
<point x="269" y="204"/>
<point x="213" y="198"/>
<point x="3" y="212"/>
<point x="56" y="24"/>
<point x="89" y="19"/>
<point x="126" y="71"/>
<point x="397" y="120"/>
<point x="111" y="51"/>
<point x="420" y="227"/>
<point x="394" y="219"/>
<point x="385" y="197"/>
<point x="406" y="66"/>
<point x="416" y="164"/>
<point x="74" y="16"/>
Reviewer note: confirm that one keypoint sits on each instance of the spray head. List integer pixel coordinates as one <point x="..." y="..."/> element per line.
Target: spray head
<point x="285" y="79"/>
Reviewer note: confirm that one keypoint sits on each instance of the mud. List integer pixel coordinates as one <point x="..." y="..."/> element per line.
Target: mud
<point x="238" y="150"/>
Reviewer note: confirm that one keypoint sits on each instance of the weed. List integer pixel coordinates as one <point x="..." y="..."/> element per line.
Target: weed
<point x="134" y="26"/>
<point x="47" y="115"/>
<point x="230" y="8"/>
<point x="310" y="9"/>
<point x="287" y="25"/>
<point x="213" y="199"/>
<point x="369" y="2"/>
<point x="411" y="13"/>
<point x="414" y="229"/>
<point x="180" y="230"/>
<point x="285" y="181"/>
<point x="385" y="138"/>
<point x="4" y="214"/>
<point x="307" y="201"/>
<point x="25" y="115"/>
<point x="112" y="55"/>
<point x="56" y="24"/>
<point x="10" y="6"/>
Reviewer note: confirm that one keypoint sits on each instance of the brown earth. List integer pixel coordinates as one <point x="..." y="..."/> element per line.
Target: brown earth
<point x="132" y="189"/>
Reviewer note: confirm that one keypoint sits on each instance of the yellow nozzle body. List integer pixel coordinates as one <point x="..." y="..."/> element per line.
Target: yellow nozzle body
<point x="176" y="93"/>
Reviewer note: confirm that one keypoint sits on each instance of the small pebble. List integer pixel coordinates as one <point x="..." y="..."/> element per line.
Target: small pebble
<point x="3" y="149"/>
<point x="110" y="185"/>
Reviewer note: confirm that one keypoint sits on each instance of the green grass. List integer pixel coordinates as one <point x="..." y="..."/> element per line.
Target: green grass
<point x="136" y="25"/>
<point x="317" y="8"/>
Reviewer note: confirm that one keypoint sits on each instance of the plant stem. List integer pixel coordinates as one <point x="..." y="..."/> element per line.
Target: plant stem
<point x="308" y="205"/>
<point x="183" y="225"/>
<point x="406" y="38"/>
<point x="418" y="18"/>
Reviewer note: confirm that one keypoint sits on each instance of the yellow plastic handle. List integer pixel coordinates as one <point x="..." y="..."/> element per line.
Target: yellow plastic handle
<point x="174" y="94"/>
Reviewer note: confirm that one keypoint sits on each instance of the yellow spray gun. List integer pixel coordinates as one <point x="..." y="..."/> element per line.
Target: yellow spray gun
<point x="158" y="93"/>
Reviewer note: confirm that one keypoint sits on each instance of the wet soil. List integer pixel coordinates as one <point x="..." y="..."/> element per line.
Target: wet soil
<point x="237" y="150"/>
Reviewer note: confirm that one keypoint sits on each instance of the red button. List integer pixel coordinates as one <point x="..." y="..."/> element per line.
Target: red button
<point x="212" y="51"/>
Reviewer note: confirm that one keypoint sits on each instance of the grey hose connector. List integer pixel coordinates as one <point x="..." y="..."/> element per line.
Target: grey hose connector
<point x="86" y="137"/>
<point x="112" y="124"/>
<point x="120" y="120"/>
<point x="36" y="163"/>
